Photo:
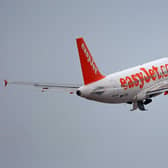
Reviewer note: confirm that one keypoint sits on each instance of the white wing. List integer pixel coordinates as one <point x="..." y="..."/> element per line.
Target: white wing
<point x="71" y="88"/>
<point x="159" y="88"/>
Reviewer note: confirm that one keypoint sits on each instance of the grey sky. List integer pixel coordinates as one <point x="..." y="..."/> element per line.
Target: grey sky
<point x="53" y="129"/>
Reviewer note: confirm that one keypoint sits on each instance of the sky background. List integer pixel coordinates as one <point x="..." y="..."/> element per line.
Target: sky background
<point x="55" y="129"/>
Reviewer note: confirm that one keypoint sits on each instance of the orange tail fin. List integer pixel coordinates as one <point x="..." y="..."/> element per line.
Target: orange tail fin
<point x="90" y="71"/>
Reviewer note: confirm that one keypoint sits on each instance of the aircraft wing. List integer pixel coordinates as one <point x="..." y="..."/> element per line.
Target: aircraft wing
<point x="71" y="88"/>
<point x="159" y="88"/>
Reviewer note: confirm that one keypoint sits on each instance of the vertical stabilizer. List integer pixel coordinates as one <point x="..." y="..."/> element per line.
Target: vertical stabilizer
<point x="90" y="70"/>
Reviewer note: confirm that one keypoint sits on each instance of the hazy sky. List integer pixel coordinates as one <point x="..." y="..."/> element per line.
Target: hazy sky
<point x="55" y="129"/>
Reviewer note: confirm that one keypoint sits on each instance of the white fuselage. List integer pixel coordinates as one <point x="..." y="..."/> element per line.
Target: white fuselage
<point x="128" y="85"/>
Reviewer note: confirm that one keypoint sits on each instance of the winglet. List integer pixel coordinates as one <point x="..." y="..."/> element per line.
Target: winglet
<point x="5" y="83"/>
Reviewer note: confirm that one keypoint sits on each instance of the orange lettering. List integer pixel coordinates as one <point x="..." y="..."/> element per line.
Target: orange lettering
<point x="130" y="82"/>
<point x="156" y="70"/>
<point x="123" y="83"/>
<point x="136" y="81"/>
<point x="140" y="76"/>
<point x="147" y="77"/>
<point x="152" y="74"/>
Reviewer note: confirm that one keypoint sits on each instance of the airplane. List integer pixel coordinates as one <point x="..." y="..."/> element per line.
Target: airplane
<point x="136" y="86"/>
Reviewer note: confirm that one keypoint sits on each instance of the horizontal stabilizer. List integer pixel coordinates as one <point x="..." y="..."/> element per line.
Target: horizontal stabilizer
<point x="45" y="86"/>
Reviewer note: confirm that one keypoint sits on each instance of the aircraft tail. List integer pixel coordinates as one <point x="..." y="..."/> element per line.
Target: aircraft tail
<point x="89" y="68"/>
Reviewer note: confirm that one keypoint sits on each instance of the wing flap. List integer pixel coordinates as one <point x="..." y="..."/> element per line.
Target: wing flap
<point x="158" y="91"/>
<point x="159" y="88"/>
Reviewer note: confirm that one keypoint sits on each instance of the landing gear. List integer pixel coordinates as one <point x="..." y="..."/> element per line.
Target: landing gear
<point x="140" y="104"/>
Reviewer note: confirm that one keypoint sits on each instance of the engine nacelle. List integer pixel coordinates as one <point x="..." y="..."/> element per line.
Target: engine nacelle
<point x="147" y="101"/>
